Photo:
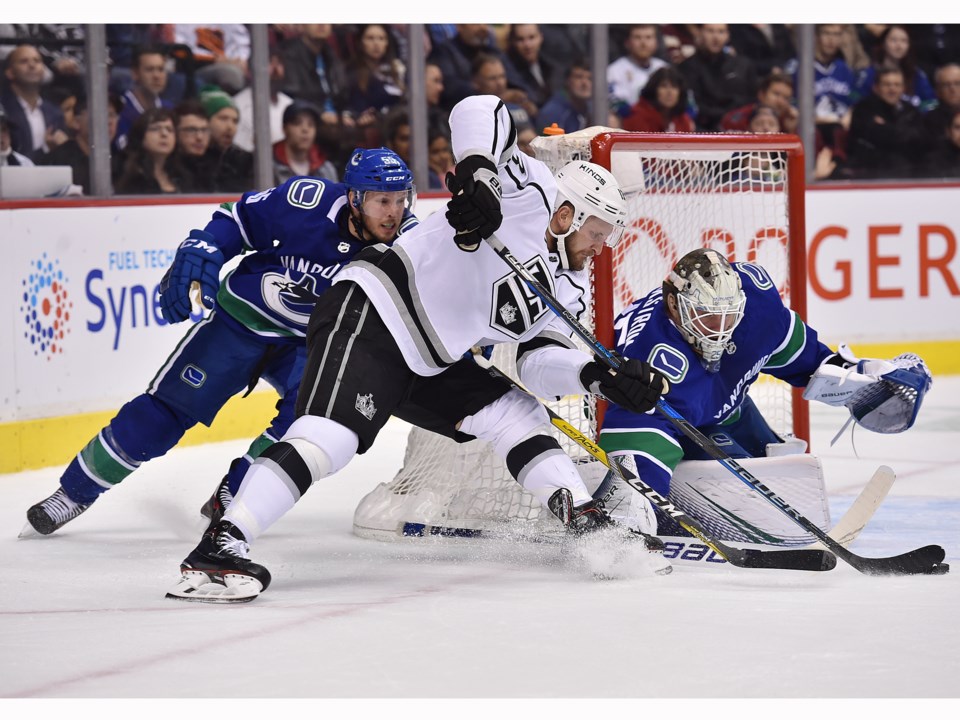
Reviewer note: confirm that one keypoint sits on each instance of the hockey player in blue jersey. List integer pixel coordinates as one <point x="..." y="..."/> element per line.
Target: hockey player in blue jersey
<point x="712" y="329"/>
<point x="296" y="237"/>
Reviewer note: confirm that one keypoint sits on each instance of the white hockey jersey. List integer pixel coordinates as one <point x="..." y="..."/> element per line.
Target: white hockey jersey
<point x="439" y="301"/>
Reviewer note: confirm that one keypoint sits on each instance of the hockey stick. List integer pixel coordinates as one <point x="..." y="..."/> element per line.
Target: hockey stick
<point x="925" y="560"/>
<point x="863" y="508"/>
<point x="805" y="559"/>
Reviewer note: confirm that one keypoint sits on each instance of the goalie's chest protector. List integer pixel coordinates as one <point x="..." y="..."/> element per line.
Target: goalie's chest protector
<point x="439" y="301"/>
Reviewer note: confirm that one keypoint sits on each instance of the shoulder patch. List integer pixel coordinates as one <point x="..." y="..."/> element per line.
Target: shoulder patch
<point x="305" y="193"/>
<point x="669" y="361"/>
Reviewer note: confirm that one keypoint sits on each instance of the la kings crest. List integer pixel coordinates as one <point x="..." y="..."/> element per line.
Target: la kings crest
<point x="515" y="307"/>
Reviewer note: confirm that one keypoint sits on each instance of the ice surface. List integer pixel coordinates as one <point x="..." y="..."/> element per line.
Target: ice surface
<point x="83" y="613"/>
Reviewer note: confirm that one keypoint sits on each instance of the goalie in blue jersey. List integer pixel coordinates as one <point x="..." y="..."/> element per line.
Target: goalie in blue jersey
<point x="712" y="329"/>
<point x="296" y="237"/>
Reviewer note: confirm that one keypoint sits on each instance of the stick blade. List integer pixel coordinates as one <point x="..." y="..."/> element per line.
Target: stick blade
<point x="812" y="560"/>
<point x="927" y="560"/>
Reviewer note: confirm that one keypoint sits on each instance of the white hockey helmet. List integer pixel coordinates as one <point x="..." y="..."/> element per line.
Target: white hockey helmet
<point x="592" y="190"/>
<point x="710" y="302"/>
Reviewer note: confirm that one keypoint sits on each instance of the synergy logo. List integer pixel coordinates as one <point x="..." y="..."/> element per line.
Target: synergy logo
<point x="45" y="307"/>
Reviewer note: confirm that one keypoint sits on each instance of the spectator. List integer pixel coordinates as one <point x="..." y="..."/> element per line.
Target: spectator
<point x="570" y="108"/>
<point x="221" y="53"/>
<point x="662" y="106"/>
<point x="376" y="79"/>
<point x="61" y="48"/>
<point x="886" y="133"/>
<point x="314" y="73"/>
<point x="763" y="119"/>
<point x="526" y="69"/>
<point x="397" y="133"/>
<point x="151" y="166"/>
<point x="776" y="91"/>
<point x="455" y="58"/>
<point x="525" y="136"/>
<point x="833" y="83"/>
<point x="944" y="160"/>
<point x="935" y="46"/>
<point x="562" y="43"/>
<point x="718" y="80"/>
<point x="36" y="125"/>
<point x="679" y="42"/>
<point x="233" y="171"/>
<point x="769" y="47"/>
<point x="148" y="72"/>
<point x="437" y="116"/>
<point x="279" y="101"/>
<point x="894" y="49"/>
<point x="9" y="156"/>
<point x="439" y="158"/>
<point x="852" y="49"/>
<point x="298" y="153"/>
<point x="193" y="145"/>
<point x="947" y="82"/>
<point x="490" y="78"/>
<point x="76" y="151"/>
<point x="627" y="75"/>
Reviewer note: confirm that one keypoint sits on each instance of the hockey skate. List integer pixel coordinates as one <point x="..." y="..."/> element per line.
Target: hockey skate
<point x="51" y="514"/>
<point x="606" y="548"/>
<point x="214" y="508"/>
<point x="218" y="570"/>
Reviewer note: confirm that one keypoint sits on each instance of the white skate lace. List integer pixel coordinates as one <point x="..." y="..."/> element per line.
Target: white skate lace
<point x="61" y="508"/>
<point x="231" y="546"/>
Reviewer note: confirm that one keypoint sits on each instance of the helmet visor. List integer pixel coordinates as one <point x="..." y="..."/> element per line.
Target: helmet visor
<point x="598" y="230"/>
<point x="380" y="205"/>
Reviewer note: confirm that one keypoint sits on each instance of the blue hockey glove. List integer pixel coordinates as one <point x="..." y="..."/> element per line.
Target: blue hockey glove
<point x="474" y="210"/>
<point x="198" y="259"/>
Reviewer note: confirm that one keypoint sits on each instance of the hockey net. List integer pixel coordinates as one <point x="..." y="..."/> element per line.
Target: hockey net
<point x="740" y="194"/>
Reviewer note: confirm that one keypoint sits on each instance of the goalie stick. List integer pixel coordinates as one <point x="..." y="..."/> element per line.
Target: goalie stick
<point x="859" y="513"/>
<point x="805" y="559"/>
<point x="925" y="560"/>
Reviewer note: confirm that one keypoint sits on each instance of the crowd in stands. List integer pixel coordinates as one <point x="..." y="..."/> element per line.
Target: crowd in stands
<point x="887" y="97"/>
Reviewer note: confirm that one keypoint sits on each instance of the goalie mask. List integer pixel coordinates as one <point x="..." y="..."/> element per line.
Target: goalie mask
<point x="710" y="302"/>
<point x="593" y="191"/>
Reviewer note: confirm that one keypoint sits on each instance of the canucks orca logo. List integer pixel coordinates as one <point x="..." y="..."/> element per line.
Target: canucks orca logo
<point x="291" y="299"/>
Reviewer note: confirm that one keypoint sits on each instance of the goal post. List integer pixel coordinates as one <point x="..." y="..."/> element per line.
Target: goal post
<point x="741" y="194"/>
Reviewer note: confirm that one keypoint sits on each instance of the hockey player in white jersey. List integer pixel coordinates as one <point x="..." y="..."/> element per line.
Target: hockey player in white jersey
<point x="389" y="338"/>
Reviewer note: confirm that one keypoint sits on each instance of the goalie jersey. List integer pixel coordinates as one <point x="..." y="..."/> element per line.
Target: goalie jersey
<point x="298" y="235"/>
<point x="439" y="301"/>
<point x="770" y="339"/>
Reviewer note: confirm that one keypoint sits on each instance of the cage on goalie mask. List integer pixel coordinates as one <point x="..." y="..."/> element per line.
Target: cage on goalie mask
<point x="891" y="405"/>
<point x="710" y="302"/>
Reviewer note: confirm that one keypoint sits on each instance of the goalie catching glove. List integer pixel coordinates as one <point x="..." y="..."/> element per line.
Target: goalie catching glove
<point x="882" y="395"/>
<point x="636" y="386"/>
<point x="474" y="210"/>
<point x="198" y="259"/>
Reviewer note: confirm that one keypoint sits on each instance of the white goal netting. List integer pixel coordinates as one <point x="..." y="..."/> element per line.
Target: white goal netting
<point x="738" y="194"/>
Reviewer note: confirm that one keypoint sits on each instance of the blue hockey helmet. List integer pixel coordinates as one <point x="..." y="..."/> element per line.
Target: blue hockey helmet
<point x="378" y="170"/>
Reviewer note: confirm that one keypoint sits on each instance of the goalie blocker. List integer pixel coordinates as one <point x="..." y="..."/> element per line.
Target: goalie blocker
<point x="883" y="396"/>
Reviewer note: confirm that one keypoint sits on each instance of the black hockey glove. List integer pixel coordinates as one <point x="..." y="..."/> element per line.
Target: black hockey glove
<point x="474" y="210"/>
<point x="635" y="386"/>
<point x="198" y="259"/>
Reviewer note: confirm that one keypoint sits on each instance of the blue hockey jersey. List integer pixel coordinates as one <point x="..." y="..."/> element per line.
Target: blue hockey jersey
<point x="298" y="237"/>
<point x="771" y="339"/>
